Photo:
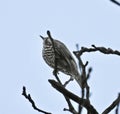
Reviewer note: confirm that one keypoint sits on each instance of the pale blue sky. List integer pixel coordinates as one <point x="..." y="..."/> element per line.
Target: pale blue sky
<point x="85" y="22"/>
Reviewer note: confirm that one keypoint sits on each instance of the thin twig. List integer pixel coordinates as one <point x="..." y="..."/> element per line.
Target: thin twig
<point x="113" y="105"/>
<point x="89" y="72"/>
<point x="117" y="109"/>
<point x="28" y="97"/>
<point x="68" y="81"/>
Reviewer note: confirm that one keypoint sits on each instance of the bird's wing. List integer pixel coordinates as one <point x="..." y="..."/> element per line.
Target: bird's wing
<point x="64" y="56"/>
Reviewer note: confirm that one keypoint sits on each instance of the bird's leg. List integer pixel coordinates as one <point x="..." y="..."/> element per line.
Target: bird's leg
<point x="55" y="72"/>
<point x="71" y="79"/>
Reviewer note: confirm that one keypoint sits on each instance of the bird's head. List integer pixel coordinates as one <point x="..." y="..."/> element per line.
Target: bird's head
<point x="46" y="41"/>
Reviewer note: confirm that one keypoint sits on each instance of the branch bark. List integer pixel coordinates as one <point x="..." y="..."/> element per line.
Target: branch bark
<point x="95" y="48"/>
<point x="83" y="102"/>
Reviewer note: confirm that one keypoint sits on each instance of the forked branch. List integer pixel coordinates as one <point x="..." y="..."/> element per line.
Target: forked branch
<point x="28" y="97"/>
<point x="83" y="102"/>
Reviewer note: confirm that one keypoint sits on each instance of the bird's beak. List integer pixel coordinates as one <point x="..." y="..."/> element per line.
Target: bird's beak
<point x="42" y="37"/>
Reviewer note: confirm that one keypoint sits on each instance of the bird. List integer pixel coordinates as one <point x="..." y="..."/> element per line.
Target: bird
<point x="54" y="50"/>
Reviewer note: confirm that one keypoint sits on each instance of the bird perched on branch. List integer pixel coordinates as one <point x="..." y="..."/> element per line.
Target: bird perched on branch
<point x="55" y="52"/>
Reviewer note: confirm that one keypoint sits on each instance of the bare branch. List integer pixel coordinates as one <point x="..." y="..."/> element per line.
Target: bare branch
<point x="68" y="81"/>
<point x="117" y="109"/>
<point x="89" y="72"/>
<point x="115" y="2"/>
<point x="32" y="102"/>
<point x="94" y="48"/>
<point x="115" y="103"/>
<point x="84" y="102"/>
<point x="84" y="78"/>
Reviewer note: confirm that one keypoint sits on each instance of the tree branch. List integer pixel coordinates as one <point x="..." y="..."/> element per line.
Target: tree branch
<point x="84" y="102"/>
<point x="28" y="97"/>
<point x="117" y="109"/>
<point x="115" y="103"/>
<point x="115" y="2"/>
<point x="100" y="49"/>
<point x="84" y="78"/>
